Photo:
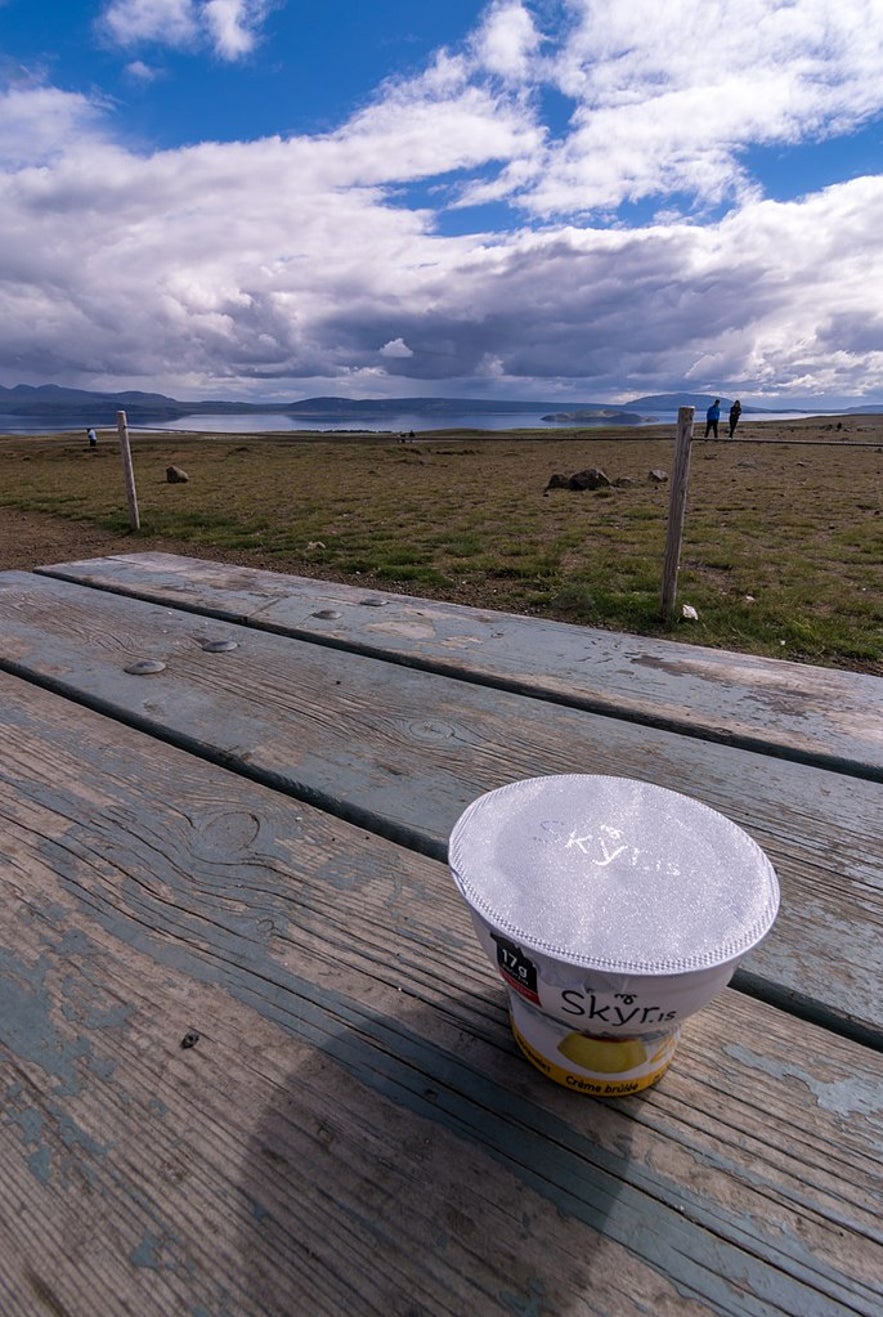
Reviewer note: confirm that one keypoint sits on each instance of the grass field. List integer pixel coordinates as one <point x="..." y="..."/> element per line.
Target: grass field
<point x="782" y="548"/>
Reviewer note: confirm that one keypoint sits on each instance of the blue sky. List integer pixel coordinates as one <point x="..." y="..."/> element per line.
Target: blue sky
<point x="574" y="199"/>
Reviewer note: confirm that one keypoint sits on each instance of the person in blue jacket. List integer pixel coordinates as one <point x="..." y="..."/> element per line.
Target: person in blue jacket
<point x="712" y="417"/>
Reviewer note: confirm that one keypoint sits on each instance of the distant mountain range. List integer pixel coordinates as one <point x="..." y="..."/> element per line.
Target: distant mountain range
<point x="46" y="401"/>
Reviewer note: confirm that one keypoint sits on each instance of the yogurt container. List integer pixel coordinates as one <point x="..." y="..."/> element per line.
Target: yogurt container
<point x="613" y="909"/>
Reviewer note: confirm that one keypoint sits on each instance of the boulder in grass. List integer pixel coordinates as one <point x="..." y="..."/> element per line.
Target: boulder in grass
<point x="175" y="476"/>
<point x="658" y="477"/>
<point x="591" y="478"/>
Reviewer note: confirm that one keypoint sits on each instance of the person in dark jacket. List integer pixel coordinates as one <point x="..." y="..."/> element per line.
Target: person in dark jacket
<point x="735" y="413"/>
<point x="712" y="416"/>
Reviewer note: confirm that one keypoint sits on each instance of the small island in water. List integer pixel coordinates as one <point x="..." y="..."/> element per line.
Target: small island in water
<point x="597" y="416"/>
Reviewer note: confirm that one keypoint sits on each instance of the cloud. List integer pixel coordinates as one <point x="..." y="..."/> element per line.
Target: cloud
<point x="38" y="124"/>
<point x="230" y="27"/>
<point x="506" y="41"/>
<point x="185" y="267"/>
<point x="141" y="72"/>
<point x="170" y="22"/>
<point x="750" y="300"/>
<point x="666" y="98"/>
<point x="305" y="260"/>
<point x="233" y="25"/>
<point x="396" y="347"/>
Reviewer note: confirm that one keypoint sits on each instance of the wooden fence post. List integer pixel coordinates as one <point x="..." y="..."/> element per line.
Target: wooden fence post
<point x="128" y="472"/>
<point x="677" y="509"/>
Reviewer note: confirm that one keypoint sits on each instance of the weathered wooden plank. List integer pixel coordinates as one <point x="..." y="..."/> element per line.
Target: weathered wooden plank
<point x="402" y="751"/>
<point x="354" y="1129"/>
<point x="819" y="715"/>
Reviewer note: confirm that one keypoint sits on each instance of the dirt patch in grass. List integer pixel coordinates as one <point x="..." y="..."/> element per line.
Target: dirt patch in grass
<point x="782" y="550"/>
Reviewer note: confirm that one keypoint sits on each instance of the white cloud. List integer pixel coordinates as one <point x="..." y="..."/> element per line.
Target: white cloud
<point x="396" y="347"/>
<point x="229" y="266"/>
<point x="37" y="124"/>
<point x="141" y="72"/>
<point x="412" y="135"/>
<point x="171" y="22"/>
<point x="233" y="25"/>
<point x="667" y="96"/>
<point x="506" y="40"/>
<point x="118" y="265"/>
<point x="230" y="27"/>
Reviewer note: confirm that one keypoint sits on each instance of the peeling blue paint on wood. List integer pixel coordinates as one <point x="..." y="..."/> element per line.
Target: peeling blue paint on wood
<point x="39" y="1163"/>
<point x="843" y="1097"/>
<point x="26" y="1027"/>
<point x="145" y="1255"/>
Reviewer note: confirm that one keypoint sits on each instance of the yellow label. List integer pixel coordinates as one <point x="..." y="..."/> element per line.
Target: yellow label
<point x="598" y="1087"/>
<point x="601" y="1054"/>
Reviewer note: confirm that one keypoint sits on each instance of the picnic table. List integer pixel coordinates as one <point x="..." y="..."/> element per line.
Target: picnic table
<point x="254" y="1059"/>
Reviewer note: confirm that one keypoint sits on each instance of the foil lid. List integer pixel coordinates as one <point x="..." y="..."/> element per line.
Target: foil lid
<point x="613" y="874"/>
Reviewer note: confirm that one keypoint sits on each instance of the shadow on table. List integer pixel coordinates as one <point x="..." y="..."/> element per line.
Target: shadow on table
<point x="419" y="1175"/>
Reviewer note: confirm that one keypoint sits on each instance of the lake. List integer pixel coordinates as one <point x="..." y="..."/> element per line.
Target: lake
<point x="397" y="423"/>
<point x="263" y="422"/>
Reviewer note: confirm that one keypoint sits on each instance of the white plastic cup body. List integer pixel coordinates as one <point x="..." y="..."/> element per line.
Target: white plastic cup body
<point x="611" y="1005"/>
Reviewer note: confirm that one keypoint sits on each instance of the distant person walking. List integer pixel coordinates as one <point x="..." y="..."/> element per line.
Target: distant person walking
<point x="735" y="413"/>
<point x="92" y="437"/>
<point x="712" y="417"/>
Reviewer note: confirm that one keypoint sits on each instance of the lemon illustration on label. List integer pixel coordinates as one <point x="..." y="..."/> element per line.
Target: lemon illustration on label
<point x="602" y="1055"/>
